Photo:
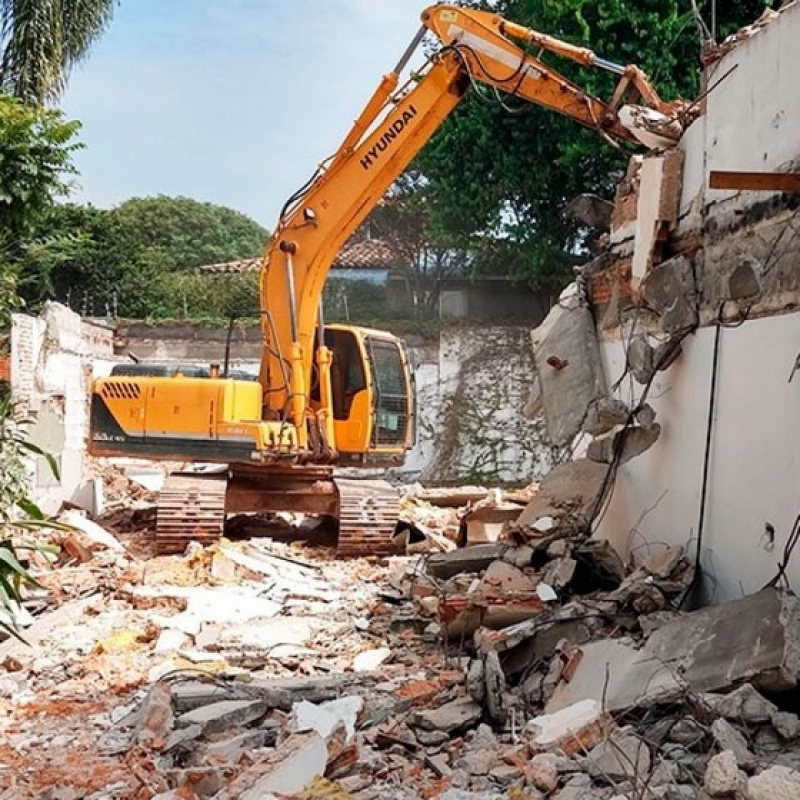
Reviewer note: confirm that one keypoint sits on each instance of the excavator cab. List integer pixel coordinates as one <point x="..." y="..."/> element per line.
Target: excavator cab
<point x="372" y="392"/>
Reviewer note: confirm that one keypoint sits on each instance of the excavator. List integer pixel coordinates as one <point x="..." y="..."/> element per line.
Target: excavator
<point x="332" y="396"/>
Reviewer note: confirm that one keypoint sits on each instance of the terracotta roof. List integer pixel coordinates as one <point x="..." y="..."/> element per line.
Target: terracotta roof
<point x="366" y="254"/>
<point x="363" y="254"/>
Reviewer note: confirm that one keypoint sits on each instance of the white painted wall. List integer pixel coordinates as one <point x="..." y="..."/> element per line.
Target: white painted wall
<point x="754" y="474"/>
<point x="51" y="370"/>
<point x="752" y="117"/>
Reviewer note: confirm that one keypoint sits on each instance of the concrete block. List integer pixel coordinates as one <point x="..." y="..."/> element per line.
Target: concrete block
<point x="467" y="559"/>
<point x="622" y="756"/>
<point x="451" y="717"/>
<point x="750" y="639"/>
<point x="669" y="289"/>
<point x="775" y="783"/>
<point x="571" y="494"/>
<point x="571" y="730"/>
<point x="604" y="415"/>
<point x="727" y="737"/>
<point x="567" y="357"/>
<point x="723" y="778"/>
<point x="628" y="443"/>
<point x="226" y="714"/>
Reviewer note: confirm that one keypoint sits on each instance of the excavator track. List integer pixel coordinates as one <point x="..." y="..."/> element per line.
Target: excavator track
<point x="368" y="514"/>
<point x="191" y="507"/>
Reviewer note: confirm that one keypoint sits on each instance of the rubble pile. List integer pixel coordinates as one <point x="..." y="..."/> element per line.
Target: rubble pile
<point x="534" y="665"/>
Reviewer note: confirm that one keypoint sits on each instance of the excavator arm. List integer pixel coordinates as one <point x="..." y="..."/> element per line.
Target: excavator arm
<point x="475" y="48"/>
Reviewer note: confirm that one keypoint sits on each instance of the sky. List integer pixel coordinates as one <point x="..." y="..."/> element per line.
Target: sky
<point x="232" y="102"/>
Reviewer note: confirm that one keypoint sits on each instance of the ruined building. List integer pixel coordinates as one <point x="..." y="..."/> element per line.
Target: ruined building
<point x="680" y="343"/>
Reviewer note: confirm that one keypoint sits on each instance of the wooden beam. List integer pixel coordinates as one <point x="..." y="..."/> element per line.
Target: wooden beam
<point x="755" y="181"/>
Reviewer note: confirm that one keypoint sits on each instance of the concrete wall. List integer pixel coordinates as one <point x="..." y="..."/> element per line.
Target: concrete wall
<point x="751" y="119"/>
<point x="752" y="123"/>
<point x="754" y="467"/>
<point x="52" y="363"/>
<point x="471" y="386"/>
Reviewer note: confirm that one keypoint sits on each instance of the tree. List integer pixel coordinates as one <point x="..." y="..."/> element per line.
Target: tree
<point x="189" y="234"/>
<point x="36" y="148"/>
<point x="128" y="261"/>
<point x="427" y="256"/>
<point x="43" y="39"/>
<point x="504" y="179"/>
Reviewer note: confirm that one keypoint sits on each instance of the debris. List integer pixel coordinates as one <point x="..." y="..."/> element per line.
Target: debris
<point x="775" y="783"/>
<point x="723" y="777"/>
<point x="622" y="756"/>
<point x="223" y="715"/>
<point x="451" y="717"/>
<point x="571" y="730"/>
<point x="287" y="770"/>
<point x="370" y="660"/>
<point x="469" y="559"/>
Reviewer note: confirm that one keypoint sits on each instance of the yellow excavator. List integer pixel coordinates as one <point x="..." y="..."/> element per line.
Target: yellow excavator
<point x="335" y="395"/>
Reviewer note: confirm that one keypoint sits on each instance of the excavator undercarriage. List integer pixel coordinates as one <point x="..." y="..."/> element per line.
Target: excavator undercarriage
<point x="193" y="506"/>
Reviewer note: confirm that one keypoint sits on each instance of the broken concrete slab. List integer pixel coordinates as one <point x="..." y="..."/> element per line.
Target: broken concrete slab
<point x="744" y="704"/>
<point x="753" y="638"/>
<point x="640" y="359"/>
<point x="727" y="737"/>
<point x="574" y="729"/>
<point x="223" y="715"/>
<point x="287" y="770"/>
<point x="467" y="559"/>
<point x="155" y="717"/>
<point x="571" y="495"/>
<point x="620" y="757"/>
<point x="567" y="357"/>
<point x="605" y="414"/>
<point x="505" y="579"/>
<point x="451" y="717"/>
<point x="669" y="289"/>
<point x="231" y="749"/>
<point x="325" y="718"/>
<point x="463" y="615"/>
<point x="622" y="446"/>
<point x="487" y="522"/>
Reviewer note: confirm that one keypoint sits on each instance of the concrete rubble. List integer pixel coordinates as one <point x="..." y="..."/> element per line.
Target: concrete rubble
<point x="539" y="665"/>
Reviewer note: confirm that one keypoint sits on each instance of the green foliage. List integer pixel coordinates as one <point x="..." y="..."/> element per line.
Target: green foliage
<point x="503" y="180"/>
<point x="129" y="262"/>
<point x="36" y="148"/>
<point x="194" y="296"/>
<point x="42" y="40"/>
<point x="184" y="234"/>
<point x="18" y="513"/>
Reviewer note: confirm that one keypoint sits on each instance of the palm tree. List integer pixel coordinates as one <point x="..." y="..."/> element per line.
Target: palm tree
<point x="41" y="40"/>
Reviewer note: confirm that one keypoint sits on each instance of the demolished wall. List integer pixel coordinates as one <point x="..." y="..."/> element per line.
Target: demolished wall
<point x="696" y="301"/>
<point x="52" y="363"/>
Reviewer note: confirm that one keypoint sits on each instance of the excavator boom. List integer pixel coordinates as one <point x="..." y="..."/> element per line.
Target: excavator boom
<point x="332" y="394"/>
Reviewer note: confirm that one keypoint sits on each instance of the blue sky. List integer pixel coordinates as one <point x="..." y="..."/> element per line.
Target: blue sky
<point x="228" y="101"/>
